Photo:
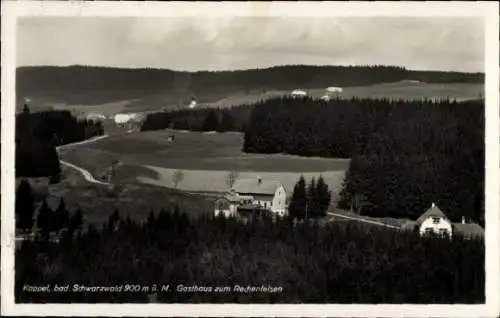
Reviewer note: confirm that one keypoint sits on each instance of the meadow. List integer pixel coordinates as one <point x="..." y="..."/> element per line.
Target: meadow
<point x="205" y="160"/>
<point x="98" y="202"/>
<point x="175" y="100"/>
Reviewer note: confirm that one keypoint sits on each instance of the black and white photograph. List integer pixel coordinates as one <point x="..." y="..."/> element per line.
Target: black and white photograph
<point x="239" y="154"/>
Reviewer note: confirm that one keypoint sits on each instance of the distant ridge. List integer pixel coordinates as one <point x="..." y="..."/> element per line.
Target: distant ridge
<point x="94" y="85"/>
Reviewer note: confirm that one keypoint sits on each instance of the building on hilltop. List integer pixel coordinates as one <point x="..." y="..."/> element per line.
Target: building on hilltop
<point x="435" y="222"/>
<point x="253" y="196"/>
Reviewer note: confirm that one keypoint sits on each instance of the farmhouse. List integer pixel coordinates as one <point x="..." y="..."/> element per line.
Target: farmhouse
<point x="298" y="93"/>
<point x="434" y="221"/>
<point x="333" y="89"/>
<point x="253" y="195"/>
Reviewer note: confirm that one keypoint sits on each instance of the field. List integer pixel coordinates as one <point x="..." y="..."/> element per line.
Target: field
<point x="131" y="199"/>
<point x="203" y="159"/>
<point x="172" y="101"/>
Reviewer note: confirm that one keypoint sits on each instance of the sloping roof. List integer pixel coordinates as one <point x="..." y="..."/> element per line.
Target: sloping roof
<point x="469" y="229"/>
<point x="253" y="186"/>
<point x="232" y="197"/>
<point x="222" y="204"/>
<point x="432" y="211"/>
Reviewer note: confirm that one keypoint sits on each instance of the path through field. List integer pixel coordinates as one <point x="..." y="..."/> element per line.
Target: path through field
<point x="86" y="174"/>
<point x="363" y="220"/>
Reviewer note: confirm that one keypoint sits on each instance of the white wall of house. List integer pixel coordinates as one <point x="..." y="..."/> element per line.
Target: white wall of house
<point x="279" y="201"/>
<point x="263" y="201"/>
<point x="435" y="224"/>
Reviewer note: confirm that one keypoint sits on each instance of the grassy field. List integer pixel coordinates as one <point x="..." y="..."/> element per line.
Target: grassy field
<point x="171" y="101"/>
<point x="204" y="160"/>
<point x="131" y="199"/>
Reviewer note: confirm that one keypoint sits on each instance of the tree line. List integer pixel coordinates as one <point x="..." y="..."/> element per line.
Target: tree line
<point x="203" y="119"/>
<point x="38" y="134"/>
<point x="309" y="200"/>
<point x="43" y="220"/>
<point x="343" y="262"/>
<point x="404" y="154"/>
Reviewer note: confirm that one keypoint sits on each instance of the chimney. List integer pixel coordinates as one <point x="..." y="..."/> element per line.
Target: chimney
<point x="433" y="205"/>
<point x="463" y="219"/>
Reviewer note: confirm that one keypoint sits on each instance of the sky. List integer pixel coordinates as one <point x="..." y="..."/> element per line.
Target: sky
<point x="228" y="43"/>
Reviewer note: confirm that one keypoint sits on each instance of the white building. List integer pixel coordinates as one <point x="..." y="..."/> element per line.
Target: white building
<point x="252" y="195"/>
<point x="95" y="116"/>
<point x="434" y="221"/>
<point x="298" y="93"/>
<point x="333" y="89"/>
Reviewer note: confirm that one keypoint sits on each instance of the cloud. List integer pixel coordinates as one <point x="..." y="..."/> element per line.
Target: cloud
<point x="246" y="42"/>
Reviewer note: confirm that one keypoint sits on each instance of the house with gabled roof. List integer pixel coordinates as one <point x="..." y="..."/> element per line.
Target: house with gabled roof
<point x="249" y="195"/>
<point x="434" y="221"/>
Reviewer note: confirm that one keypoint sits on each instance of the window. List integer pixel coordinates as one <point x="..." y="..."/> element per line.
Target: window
<point x="428" y="231"/>
<point x="435" y="220"/>
<point x="443" y="232"/>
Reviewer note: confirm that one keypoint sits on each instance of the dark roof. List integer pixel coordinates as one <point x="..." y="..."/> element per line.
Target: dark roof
<point x="222" y="204"/>
<point x="253" y="186"/>
<point x="433" y="211"/>
<point x="469" y="229"/>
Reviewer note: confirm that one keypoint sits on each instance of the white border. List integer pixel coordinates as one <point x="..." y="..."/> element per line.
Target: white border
<point x="13" y="9"/>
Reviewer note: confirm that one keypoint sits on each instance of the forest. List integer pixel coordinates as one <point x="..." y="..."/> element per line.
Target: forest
<point x="404" y="154"/>
<point x="96" y="85"/>
<point x="342" y="262"/>
<point x="38" y="134"/>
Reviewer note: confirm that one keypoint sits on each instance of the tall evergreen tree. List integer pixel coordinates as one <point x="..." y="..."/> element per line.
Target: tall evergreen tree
<point x="211" y="122"/>
<point x="26" y="109"/>
<point x="45" y="220"/>
<point x="75" y="223"/>
<point x="227" y="122"/>
<point x="61" y="216"/>
<point x="324" y="196"/>
<point x="113" y="221"/>
<point x="298" y="202"/>
<point x="312" y="200"/>
<point x="24" y="206"/>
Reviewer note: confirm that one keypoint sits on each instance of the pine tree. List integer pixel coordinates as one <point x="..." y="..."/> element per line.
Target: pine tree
<point x="24" y="206"/>
<point x="324" y="196"/>
<point x="45" y="220"/>
<point x="227" y="122"/>
<point x="211" y="122"/>
<point x="151" y="219"/>
<point x="298" y="202"/>
<point x="312" y="200"/>
<point x="61" y="216"/>
<point x="75" y="222"/>
<point x="113" y="221"/>
<point x="26" y="109"/>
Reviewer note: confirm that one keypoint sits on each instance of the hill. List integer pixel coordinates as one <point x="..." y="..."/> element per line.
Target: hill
<point x="90" y="85"/>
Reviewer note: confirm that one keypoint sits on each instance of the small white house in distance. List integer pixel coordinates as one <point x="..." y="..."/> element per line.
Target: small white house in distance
<point x="333" y="89"/>
<point x="253" y="194"/>
<point x="95" y="116"/>
<point x="298" y="93"/>
<point x="433" y="221"/>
